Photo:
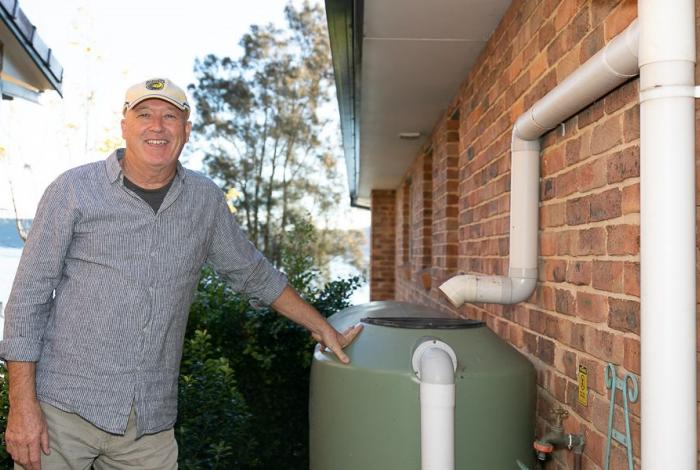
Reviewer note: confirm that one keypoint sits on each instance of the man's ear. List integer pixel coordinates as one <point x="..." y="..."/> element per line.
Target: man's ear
<point x="188" y="129"/>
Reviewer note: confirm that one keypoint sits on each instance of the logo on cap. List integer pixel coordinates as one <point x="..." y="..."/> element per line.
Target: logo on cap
<point x="158" y="84"/>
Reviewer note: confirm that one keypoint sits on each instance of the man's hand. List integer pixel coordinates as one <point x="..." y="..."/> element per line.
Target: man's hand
<point x="336" y="342"/>
<point x="27" y="434"/>
<point x="296" y="309"/>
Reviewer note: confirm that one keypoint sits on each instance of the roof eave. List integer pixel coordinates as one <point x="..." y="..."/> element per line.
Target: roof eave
<point x="41" y="55"/>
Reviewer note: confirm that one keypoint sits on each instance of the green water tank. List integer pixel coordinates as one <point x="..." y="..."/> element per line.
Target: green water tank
<point x="366" y="415"/>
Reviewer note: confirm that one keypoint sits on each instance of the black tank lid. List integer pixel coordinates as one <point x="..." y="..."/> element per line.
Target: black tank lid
<point x="423" y="322"/>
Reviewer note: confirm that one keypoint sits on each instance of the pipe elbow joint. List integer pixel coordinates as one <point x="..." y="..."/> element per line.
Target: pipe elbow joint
<point x="487" y="289"/>
<point x="436" y="367"/>
<point x="522" y="288"/>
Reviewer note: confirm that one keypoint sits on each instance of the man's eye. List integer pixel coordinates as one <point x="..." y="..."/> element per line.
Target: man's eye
<point x="170" y="116"/>
<point x="143" y="115"/>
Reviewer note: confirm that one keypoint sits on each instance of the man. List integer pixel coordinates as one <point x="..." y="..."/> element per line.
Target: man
<point x="95" y="322"/>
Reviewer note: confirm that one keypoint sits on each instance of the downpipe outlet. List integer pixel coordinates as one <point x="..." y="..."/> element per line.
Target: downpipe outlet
<point x="434" y="363"/>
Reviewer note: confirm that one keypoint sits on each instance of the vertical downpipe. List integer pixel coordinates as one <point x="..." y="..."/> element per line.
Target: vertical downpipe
<point x="667" y="141"/>
<point x="434" y="362"/>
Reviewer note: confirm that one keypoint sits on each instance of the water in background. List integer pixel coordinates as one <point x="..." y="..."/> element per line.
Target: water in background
<point x="9" y="259"/>
<point x="10" y="252"/>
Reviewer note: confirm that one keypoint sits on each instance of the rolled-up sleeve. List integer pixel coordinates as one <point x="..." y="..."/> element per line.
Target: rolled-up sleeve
<point x="39" y="272"/>
<point x="232" y="255"/>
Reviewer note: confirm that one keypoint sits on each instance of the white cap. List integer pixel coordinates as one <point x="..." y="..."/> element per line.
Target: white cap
<point x="159" y="88"/>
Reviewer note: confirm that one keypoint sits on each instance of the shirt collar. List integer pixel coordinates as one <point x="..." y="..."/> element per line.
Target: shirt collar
<point x="114" y="168"/>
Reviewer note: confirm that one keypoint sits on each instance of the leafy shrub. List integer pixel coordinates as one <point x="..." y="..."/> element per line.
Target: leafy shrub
<point x="5" y="459"/>
<point x="213" y="419"/>
<point x="271" y="359"/>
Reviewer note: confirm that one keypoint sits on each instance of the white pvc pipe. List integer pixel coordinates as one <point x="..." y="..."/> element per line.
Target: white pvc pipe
<point x="609" y="68"/>
<point x="668" y="342"/>
<point x="437" y="407"/>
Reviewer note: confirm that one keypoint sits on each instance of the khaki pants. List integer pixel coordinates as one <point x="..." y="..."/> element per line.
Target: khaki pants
<point x="78" y="445"/>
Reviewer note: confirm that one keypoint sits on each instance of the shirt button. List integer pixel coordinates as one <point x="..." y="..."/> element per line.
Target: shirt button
<point x="151" y="289"/>
<point x="153" y="253"/>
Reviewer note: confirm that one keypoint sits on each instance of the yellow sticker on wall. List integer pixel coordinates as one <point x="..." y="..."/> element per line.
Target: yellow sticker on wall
<point x="582" y="385"/>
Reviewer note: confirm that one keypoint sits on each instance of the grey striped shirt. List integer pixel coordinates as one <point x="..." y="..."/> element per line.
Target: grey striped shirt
<point x="104" y="286"/>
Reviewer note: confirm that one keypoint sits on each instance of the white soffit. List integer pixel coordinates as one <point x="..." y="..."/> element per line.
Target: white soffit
<point x="415" y="54"/>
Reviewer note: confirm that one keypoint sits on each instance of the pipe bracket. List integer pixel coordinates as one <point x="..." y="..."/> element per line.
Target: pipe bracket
<point x="669" y="91"/>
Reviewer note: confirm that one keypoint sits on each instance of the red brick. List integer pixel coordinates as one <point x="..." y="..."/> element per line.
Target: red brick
<point x="592" y="113"/>
<point x="623" y="239"/>
<point x="579" y="272"/>
<point x="630" y="199"/>
<point x="624" y="315"/>
<point x="548" y="243"/>
<point x="623" y="165"/>
<point x="565" y="302"/>
<point x="631" y="278"/>
<point x="564" y="242"/>
<point x="570" y="36"/>
<point x="552" y="215"/>
<point x="554" y="270"/>
<point x="591" y="175"/>
<point x="569" y="63"/>
<point x="558" y="387"/>
<point x="538" y="66"/>
<point x="565" y="362"/>
<point x="607" y="275"/>
<point x="591" y="44"/>
<point x="601" y="10"/>
<point x="591" y="242"/>
<point x="516" y="336"/>
<point x="530" y="341"/>
<point x="538" y="321"/>
<point x="564" y="14"/>
<point x="382" y="245"/>
<point x="552" y="160"/>
<point x="566" y="183"/>
<point x="578" y="211"/>
<point x="548" y="189"/>
<point x="545" y="350"/>
<point x="591" y="307"/>
<point x="632" y="355"/>
<point x="579" y="332"/>
<point x="595" y="446"/>
<point x="625" y="94"/>
<point x="606" y="135"/>
<point x="620" y="18"/>
<point x="630" y="124"/>
<point x="548" y="298"/>
<point x="606" y="205"/>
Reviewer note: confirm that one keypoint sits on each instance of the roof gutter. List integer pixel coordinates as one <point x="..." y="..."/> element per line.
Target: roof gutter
<point x="345" y="32"/>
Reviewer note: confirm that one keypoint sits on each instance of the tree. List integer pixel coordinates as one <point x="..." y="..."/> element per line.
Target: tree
<point x="261" y="128"/>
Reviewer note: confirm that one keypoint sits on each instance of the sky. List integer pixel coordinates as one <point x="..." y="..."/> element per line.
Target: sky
<point x="104" y="47"/>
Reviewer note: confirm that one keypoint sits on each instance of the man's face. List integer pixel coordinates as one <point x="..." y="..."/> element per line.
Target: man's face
<point x="155" y="132"/>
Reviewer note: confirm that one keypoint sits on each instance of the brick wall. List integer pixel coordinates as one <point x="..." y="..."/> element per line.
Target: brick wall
<point x="382" y="246"/>
<point x="585" y="309"/>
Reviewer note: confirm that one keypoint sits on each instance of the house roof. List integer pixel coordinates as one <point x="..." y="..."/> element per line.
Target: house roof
<point x="397" y="64"/>
<point x="28" y="66"/>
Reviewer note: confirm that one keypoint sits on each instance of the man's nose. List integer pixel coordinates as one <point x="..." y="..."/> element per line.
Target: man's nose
<point x="157" y="124"/>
